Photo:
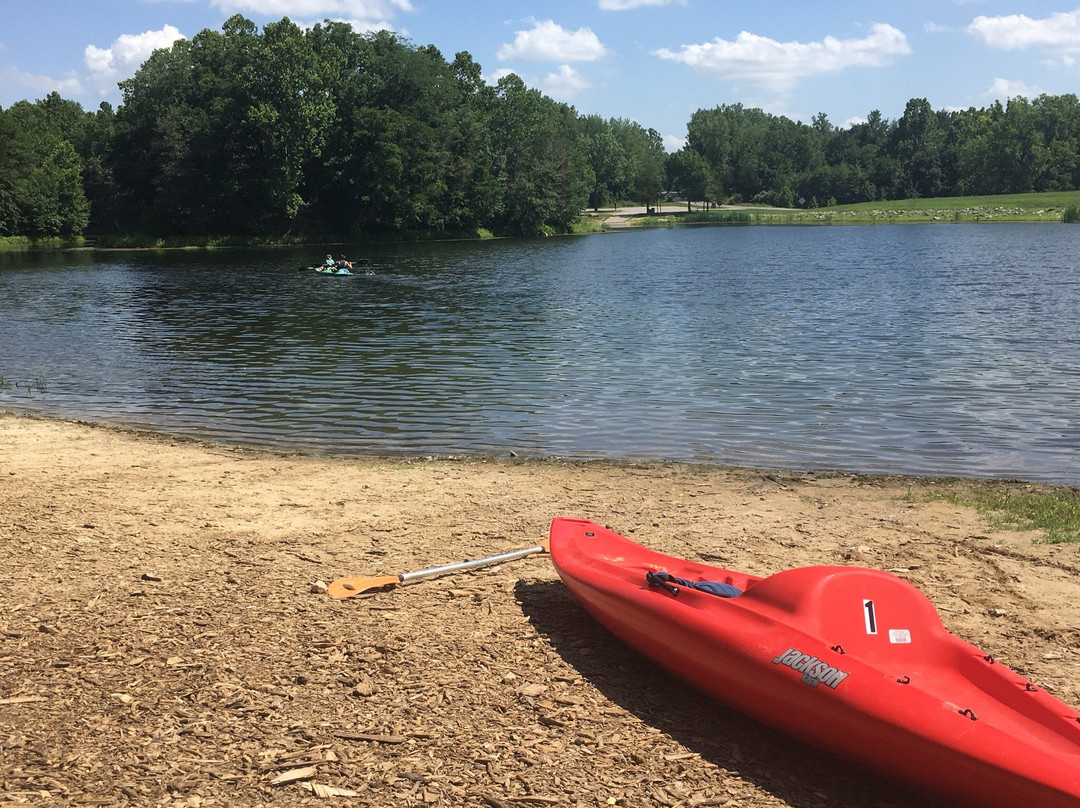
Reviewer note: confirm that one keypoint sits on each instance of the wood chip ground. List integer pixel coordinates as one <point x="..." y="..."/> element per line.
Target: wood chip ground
<point x="165" y="639"/>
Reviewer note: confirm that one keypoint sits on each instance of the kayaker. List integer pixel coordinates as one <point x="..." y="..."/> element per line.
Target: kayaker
<point x="343" y="263"/>
<point x="330" y="261"/>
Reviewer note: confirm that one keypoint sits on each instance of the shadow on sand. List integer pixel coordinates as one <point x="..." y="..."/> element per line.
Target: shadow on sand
<point x="802" y="776"/>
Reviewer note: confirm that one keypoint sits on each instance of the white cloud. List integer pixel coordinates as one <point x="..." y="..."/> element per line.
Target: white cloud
<point x="547" y="41"/>
<point x="1059" y="32"/>
<point x="672" y="143"/>
<point x="41" y="85"/>
<point x="623" y="5"/>
<point x="501" y="73"/>
<point x="1004" y="89"/>
<point x="121" y="59"/>
<point x="316" y="9"/>
<point x="362" y="15"/>
<point x="778" y="66"/>
<point x="565" y="84"/>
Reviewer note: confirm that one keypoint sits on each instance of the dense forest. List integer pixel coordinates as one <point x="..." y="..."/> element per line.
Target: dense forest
<point x="291" y="132"/>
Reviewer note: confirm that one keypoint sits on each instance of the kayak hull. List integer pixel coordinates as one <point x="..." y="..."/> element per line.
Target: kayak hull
<point x="855" y="661"/>
<point x="323" y="270"/>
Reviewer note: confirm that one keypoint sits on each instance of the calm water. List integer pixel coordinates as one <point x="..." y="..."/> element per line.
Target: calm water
<point x="917" y="349"/>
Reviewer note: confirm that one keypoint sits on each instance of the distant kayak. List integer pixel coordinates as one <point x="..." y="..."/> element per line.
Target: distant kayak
<point x="852" y="660"/>
<point x="325" y="270"/>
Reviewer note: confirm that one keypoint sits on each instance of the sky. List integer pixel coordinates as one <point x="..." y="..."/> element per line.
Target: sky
<point x="651" y="61"/>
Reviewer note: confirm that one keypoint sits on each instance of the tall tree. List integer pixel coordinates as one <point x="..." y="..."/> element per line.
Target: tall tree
<point x="689" y="173"/>
<point x="543" y="170"/>
<point x="611" y="165"/>
<point x="41" y="184"/>
<point x="216" y="130"/>
<point x="1058" y="118"/>
<point x="916" y="143"/>
<point x="647" y="157"/>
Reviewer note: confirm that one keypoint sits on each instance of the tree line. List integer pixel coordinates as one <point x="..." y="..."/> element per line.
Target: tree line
<point x="325" y="131"/>
<point x="1020" y="147"/>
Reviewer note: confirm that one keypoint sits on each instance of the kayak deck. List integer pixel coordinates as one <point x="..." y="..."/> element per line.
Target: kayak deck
<point x="853" y="660"/>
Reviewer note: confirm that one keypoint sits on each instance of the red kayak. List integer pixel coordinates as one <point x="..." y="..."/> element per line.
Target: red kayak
<point x="852" y="660"/>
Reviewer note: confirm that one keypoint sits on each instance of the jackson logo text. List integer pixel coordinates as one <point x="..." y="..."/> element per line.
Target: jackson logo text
<point x="815" y="672"/>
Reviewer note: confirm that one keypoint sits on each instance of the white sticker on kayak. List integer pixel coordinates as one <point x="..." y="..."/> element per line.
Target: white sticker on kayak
<point x="900" y="636"/>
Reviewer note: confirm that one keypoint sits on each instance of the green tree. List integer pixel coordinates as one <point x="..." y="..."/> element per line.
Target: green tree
<point x="611" y="165"/>
<point x="471" y="185"/>
<point x="689" y="173"/>
<point x="216" y="130"/>
<point x="647" y="158"/>
<point x="543" y="171"/>
<point x="1058" y="119"/>
<point x="242" y="131"/>
<point x="41" y="186"/>
<point x="94" y="148"/>
<point x="916" y="143"/>
<point x="754" y="155"/>
<point x="409" y="148"/>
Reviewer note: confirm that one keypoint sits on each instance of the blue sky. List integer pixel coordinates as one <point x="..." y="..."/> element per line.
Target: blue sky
<point x="652" y="61"/>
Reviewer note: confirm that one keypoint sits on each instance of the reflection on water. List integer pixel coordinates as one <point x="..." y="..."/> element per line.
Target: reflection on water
<point x="927" y="350"/>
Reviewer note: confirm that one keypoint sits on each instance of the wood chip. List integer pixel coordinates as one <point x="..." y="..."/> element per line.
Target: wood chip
<point x="364" y="736"/>
<point x="293" y="775"/>
<point x="234" y="670"/>
<point x="321" y="790"/>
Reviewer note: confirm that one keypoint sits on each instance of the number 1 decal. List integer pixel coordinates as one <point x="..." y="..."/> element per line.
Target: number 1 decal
<point x="871" y="617"/>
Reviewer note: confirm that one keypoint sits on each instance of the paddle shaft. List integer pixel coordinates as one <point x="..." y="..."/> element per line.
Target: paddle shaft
<point x="349" y="587"/>
<point x="431" y="572"/>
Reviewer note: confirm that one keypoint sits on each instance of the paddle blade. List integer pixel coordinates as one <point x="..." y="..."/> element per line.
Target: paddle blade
<point x="350" y="587"/>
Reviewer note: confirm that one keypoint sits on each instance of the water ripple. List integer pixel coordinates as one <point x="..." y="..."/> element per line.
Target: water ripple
<point x="926" y="350"/>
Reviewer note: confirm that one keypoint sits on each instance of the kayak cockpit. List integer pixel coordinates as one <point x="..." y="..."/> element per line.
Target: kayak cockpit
<point x="869" y="613"/>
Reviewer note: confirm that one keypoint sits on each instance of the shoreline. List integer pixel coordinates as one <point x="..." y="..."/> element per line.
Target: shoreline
<point x="1001" y="208"/>
<point x="512" y="456"/>
<point x="167" y="638"/>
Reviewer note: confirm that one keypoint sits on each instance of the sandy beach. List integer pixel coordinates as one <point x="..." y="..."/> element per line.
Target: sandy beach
<point x="166" y="639"/>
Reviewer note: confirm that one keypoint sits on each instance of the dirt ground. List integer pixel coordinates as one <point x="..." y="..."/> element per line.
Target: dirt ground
<point x="166" y="639"/>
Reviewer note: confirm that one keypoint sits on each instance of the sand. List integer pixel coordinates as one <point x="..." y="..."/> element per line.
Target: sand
<point x="165" y="636"/>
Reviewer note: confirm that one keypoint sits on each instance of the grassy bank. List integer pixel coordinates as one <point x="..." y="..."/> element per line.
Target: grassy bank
<point x="27" y="243"/>
<point x="1011" y="505"/>
<point x="1054" y="206"/>
<point x="142" y="241"/>
<point x="1056" y="512"/>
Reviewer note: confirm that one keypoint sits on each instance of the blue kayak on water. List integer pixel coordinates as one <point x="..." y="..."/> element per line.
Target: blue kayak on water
<point x="325" y="270"/>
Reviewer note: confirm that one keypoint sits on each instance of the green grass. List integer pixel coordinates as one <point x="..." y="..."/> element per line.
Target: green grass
<point x="590" y="223"/>
<point x="1055" y="512"/>
<point x="1042" y="207"/>
<point x="1052" y="206"/>
<point x="1032" y="202"/>
<point x="142" y="241"/>
<point x="26" y="243"/>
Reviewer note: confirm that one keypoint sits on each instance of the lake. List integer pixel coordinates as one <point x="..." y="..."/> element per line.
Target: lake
<point x="930" y="350"/>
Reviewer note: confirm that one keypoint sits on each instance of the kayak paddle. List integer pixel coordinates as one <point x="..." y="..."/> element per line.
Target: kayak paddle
<point x="349" y="587"/>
